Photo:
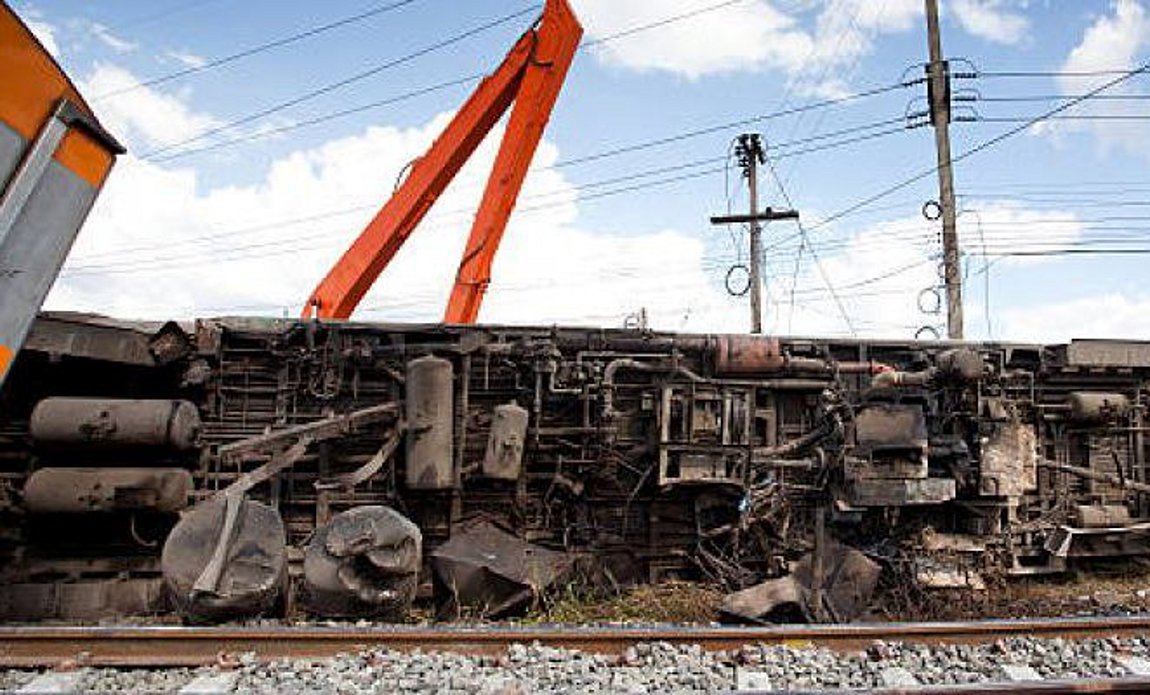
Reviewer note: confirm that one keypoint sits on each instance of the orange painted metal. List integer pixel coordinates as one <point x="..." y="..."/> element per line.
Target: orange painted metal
<point x="33" y="84"/>
<point x="530" y="77"/>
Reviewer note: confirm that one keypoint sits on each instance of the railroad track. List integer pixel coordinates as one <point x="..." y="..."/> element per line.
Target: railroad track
<point x="40" y="647"/>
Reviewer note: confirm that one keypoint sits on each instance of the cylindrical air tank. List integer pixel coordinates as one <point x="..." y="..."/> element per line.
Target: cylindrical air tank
<point x="115" y="423"/>
<point x="1095" y="406"/>
<point x="504" y="456"/>
<point x="430" y="419"/>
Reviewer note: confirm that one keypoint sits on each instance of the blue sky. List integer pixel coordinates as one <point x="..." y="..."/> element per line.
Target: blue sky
<point x="249" y="226"/>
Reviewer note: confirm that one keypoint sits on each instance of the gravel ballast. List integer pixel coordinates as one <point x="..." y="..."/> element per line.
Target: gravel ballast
<point x="652" y="667"/>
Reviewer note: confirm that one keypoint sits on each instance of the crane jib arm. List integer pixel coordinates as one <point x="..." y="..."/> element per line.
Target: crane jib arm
<point x="528" y="81"/>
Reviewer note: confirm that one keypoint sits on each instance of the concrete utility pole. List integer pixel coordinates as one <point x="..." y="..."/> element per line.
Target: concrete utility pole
<point x="938" y="92"/>
<point x="750" y="150"/>
<point x="750" y="154"/>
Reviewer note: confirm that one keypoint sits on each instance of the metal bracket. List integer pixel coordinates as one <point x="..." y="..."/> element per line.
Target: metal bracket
<point x="39" y="156"/>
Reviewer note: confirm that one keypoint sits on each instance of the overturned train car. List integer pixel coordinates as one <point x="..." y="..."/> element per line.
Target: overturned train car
<point x="238" y="466"/>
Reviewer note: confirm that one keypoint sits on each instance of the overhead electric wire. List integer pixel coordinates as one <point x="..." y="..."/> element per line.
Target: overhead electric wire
<point x="1051" y="73"/>
<point x="849" y="141"/>
<point x="161" y="14"/>
<point x="280" y="130"/>
<point x="720" y="127"/>
<point x="260" y="48"/>
<point x="417" y="301"/>
<point x="673" y="179"/>
<point x="277" y="245"/>
<point x="1078" y="117"/>
<point x="369" y="206"/>
<point x="1057" y="194"/>
<point x="1001" y="137"/>
<point x="1125" y="184"/>
<point x="658" y="23"/>
<point x="1057" y="203"/>
<point x="1056" y="97"/>
<point x="1070" y="252"/>
<point x="584" y="159"/>
<point x="132" y="266"/>
<point x="330" y="116"/>
<point x="341" y="83"/>
<point x="851" y="25"/>
<point x="432" y="299"/>
<point x="814" y="254"/>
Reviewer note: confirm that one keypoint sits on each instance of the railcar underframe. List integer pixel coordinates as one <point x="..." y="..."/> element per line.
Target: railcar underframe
<point x="631" y="455"/>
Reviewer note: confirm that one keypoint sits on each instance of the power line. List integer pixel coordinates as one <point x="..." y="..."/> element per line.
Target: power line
<point x="131" y="266"/>
<point x="339" y="84"/>
<point x="849" y="141"/>
<point x="264" y="134"/>
<point x="1069" y="252"/>
<point x="277" y="245"/>
<point x="1052" y="73"/>
<point x="729" y="125"/>
<point x="327" y="117"/>
<point x="261" y="48"/>
<point x="161" y="14"/>
<point x="1076" y="117"/>
<point x="658" y="23"/>
<point x="852" y="25"/>
<point x="574" y="161"/>
<point x="579" y="185"/>
<point x="1054" y="97"/>
<point x="1128" y="184"/>
<point x="814" y="254"/>
<point x="979" y="148"/>
<point x="353" y="19"/>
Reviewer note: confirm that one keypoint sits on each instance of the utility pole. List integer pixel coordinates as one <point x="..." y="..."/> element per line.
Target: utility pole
<point x="750" y="153"/>
<point x="750" y="150"/>
<point x="938" y="93"/>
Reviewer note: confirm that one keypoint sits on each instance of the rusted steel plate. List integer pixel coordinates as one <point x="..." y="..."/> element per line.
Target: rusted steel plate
<point x="189" y="646"/>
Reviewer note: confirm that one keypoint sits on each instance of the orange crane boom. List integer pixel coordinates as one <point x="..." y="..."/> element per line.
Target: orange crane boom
<point x="530" y="77"/>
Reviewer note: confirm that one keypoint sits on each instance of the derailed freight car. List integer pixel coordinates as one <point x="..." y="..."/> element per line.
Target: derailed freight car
<point x="243" y="466"/>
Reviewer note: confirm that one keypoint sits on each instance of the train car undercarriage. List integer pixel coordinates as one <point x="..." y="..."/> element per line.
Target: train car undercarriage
<point x="242" y="467"/>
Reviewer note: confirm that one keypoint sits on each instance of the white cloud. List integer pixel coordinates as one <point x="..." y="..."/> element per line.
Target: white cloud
<point x="880" y="271"/>
<point x="805" y="46"/>
<point x="1109" y="315"/>
<point x="1006" y="226"/>
<point x="187" y="59"/>
<point x="989" y="19"/>
<point x="809" y="44"/>
<point x="44" y="32"/>
<point x="741" y="36"/>
<point x="1117" y="41"/>
<point x="117" y="44"/>
<point x="143" y="117"/>
<point x="597" y="278"/>
<point x="1112" y="41"/>
<point x="160" y="245"/>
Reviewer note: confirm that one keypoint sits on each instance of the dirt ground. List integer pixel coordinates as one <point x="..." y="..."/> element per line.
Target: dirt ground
<point x="670" y="602"/>
<point x="1099" y="590"/>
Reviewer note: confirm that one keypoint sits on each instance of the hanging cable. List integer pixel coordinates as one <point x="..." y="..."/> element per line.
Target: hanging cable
<point x="987" y="144"/>
<point x="340" y="84"/>
<point x="261" y="48"/>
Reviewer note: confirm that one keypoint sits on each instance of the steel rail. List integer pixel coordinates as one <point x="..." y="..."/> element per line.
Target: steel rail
<point x="169" y="646"/>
